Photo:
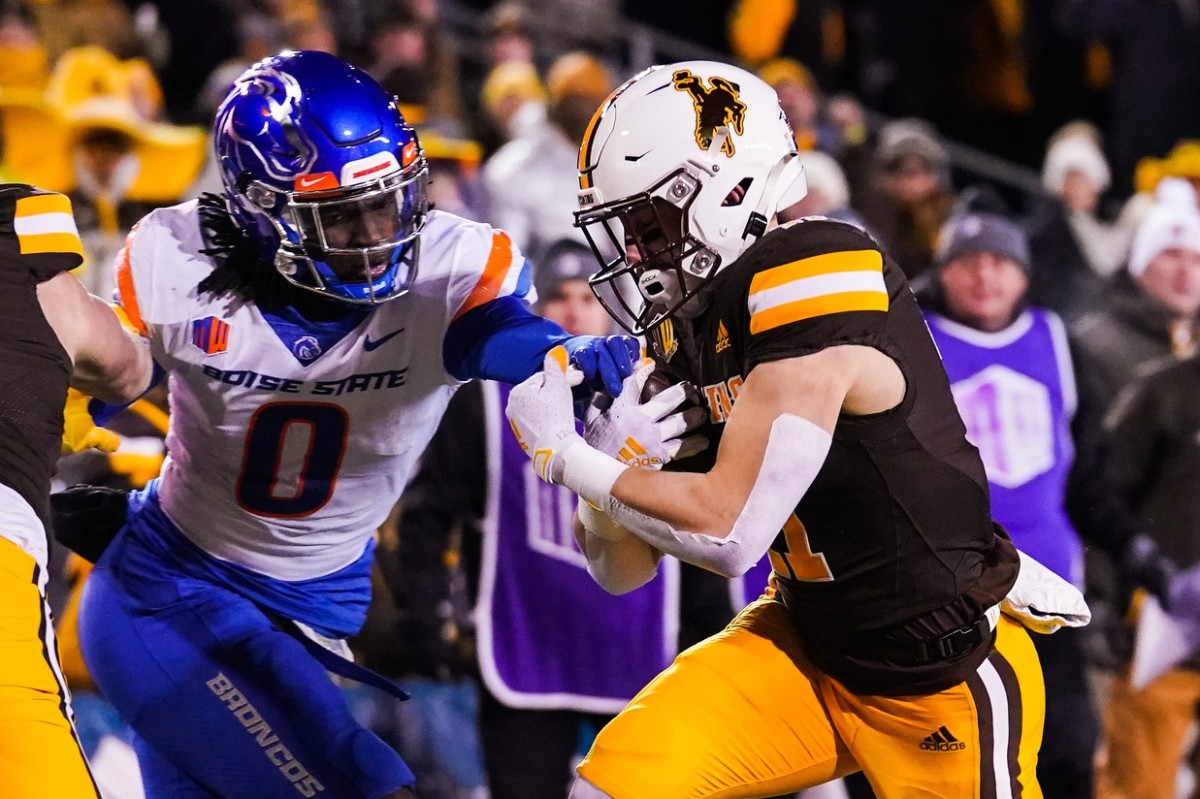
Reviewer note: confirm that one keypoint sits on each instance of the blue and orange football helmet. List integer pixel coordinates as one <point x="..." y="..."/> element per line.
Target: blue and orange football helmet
<point x="323" y="172"/>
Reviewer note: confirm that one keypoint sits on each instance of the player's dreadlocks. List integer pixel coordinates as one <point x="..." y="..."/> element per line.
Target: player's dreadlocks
<point x="239" y="272"/>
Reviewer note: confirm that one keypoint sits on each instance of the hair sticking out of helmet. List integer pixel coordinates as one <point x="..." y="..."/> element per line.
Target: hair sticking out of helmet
<point x="322" y="171"/>
<point x="681" y="169"/>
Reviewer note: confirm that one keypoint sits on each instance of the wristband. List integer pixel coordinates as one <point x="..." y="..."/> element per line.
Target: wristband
<point x="587" y="471"/>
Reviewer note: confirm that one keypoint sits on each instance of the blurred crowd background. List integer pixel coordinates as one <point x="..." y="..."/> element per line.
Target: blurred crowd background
<point x="1059" y="136"/>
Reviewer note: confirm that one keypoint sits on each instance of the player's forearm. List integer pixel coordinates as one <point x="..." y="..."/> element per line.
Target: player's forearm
<point x="121" y="376"/>
<point x="617" y="560"/>
<point x="697" y="503"/>
<point x="708" y="519"/>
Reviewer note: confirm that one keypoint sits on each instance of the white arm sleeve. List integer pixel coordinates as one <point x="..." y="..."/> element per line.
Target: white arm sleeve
<point x="796" y="449"/>
<point x="618" y="561"/>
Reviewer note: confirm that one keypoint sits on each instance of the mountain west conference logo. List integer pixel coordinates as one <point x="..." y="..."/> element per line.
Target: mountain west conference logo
<point x="717" y="106"/>
<point x="211" y="335"/>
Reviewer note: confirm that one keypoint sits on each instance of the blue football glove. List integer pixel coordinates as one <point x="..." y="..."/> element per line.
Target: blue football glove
<point x="604" y="360"/>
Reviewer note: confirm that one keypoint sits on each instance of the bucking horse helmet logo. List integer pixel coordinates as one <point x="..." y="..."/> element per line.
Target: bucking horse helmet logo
<point x="718" y="105"/>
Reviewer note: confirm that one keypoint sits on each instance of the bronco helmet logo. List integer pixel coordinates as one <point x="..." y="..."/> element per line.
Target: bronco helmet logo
<point x="716" y="106"/>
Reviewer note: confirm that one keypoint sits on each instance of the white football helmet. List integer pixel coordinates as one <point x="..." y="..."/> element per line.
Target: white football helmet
<point x="681" y="169"/>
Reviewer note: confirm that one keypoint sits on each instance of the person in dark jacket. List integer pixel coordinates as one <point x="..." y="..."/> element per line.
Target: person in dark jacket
<point x="1148" y="311"/>
<point x="1074" y="250"/>
<point x="1152" y="434"/>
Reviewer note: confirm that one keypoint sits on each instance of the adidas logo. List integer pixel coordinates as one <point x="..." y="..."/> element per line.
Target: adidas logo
<point x="722" y="336"/>
<point x="633" y="454"/>
<point x="941" y="740"/>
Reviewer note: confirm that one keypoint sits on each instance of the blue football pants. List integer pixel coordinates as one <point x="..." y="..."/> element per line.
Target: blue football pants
<point x="224" y="704"/>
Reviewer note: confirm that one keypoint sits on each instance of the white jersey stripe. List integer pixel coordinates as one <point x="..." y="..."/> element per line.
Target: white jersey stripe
<point x="37" y="224"/>
<point x="807" y="288"/>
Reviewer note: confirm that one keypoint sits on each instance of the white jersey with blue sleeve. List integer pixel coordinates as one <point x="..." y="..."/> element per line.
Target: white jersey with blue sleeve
<point x="290" y="441"/>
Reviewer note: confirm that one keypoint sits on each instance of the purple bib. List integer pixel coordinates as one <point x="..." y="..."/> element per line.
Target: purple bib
<point x="549" y="636"/>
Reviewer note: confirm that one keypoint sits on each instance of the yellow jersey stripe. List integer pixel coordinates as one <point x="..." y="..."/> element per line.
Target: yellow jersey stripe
<point x="50" y="242"/>
<point x="36" y="204"/>
<point x="824" y="264"/>
<point x="823" y="305"/>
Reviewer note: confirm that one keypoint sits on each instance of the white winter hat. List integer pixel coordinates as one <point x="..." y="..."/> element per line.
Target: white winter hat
<point x="1076" y="152"/>
<point x="825" y="175"/>
<point x="1167" y="226"/>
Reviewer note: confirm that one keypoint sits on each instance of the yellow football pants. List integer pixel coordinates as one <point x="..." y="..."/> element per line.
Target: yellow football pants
<point x="746" y="714"/>
<point x="40" y="755"/>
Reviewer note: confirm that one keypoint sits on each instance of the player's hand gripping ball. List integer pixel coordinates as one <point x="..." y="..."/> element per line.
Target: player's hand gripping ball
<point x="650" y="423"/>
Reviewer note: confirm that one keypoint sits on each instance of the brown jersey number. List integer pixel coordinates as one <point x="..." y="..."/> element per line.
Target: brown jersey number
<point x="792" y="556"/>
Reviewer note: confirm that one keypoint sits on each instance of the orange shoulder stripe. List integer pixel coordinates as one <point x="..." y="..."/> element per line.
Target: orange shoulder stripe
<point x="494" y="272"/>
<point x="125" y="285"/>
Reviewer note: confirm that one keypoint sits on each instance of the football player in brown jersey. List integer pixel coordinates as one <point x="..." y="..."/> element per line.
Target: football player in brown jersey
<point x="56" y="340"/>
<point x="835" y="444"/>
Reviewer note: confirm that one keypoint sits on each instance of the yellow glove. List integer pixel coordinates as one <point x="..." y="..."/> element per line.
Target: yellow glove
<point x="80" y="431"/>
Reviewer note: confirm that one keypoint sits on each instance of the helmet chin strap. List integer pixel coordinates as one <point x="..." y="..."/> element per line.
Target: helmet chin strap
<point x="786" y="186"/>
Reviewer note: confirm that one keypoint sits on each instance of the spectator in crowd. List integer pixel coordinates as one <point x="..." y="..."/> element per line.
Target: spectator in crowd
<point x="454" y="183"/>
<point x="1182" y="163"/>
<point x="1148" y="311"/>
<point x="995" y="101"/>
<point x="910" y="197"/>
<point x="23" y="59"/>
<point x="412" y="59"/>
<point x="506" y="37"/>
<point x="1074" y="251"/>
<point x="1011" y="374"/>
<point x="1151" y="436"/>
<point x="532" y="181"/>
<point x="509" y="34"/>
<point x="514" y="102"/>
<point x="554" y="650"/>
<point x="124" y="163"/>
<point x="906" y="57"/>
<point x="801" y="102"/>
<point x="828" y="193"/>
<point x="259" y="35"/>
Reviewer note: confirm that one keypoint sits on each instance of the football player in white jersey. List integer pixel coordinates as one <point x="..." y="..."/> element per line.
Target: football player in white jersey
<point x="310" y="354"/>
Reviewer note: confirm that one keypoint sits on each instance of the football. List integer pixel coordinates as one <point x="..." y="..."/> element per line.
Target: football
<point x="662" y="378"/>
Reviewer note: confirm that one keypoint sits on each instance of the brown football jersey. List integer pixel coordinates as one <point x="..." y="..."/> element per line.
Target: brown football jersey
<point x="37" y="242"/>
<point x="894" y="541"/>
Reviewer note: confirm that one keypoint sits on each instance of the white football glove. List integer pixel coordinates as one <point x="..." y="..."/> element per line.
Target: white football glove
<point x="1044" y="602"/>
<point x="540" y="412"/>
<point x="646" y="434"/>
